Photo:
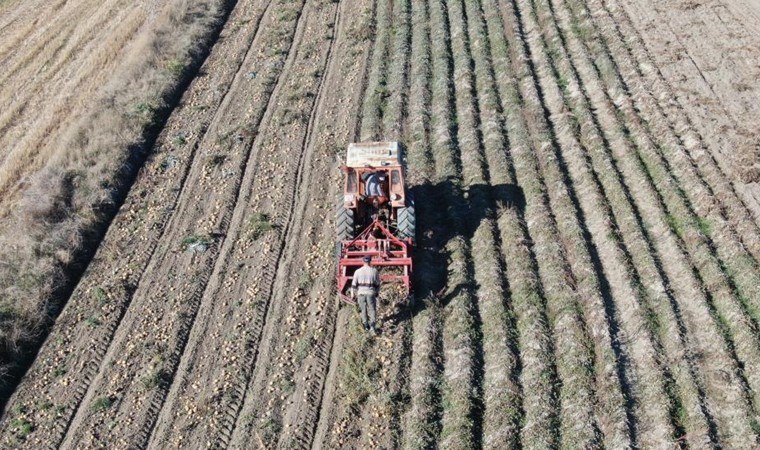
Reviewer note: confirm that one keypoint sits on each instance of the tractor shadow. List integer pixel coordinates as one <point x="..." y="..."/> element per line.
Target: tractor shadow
<point x="446" y="211"/>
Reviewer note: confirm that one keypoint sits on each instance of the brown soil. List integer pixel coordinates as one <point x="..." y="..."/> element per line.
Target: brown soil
<point x="587" y="272"/>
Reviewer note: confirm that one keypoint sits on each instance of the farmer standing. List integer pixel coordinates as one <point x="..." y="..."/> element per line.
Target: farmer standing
<point x="366" y="285"/>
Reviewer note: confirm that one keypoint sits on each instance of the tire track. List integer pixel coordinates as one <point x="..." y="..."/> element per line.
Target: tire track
<point x="259" y="358"/>
<point x="598" y="272"/>
<point x="132" y="241"/>
<point x="144" y="394"/>
<point x="285" y="394"/>
<point x="201" y="347"/>
<point x="328" y="407"/>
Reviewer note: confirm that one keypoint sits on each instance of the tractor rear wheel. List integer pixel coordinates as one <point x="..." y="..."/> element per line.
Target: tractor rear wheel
<point x="407" y="222"/>
<point x="344" y="223"/>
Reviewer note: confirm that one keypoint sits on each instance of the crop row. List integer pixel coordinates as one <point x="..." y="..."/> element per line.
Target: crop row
<point x="374" y="373"/>
<point x="709" y="208"/>
<point x="581" y="137"/>
<point x="610" y="121"/>
<point x="480" y="139"/>
<point x="513" y="269"/>
<point x="460" y="336"/>
<point x="422" y="425"/>
<point x="725" y="293"/>
<point x="725" y="299"/>
<point x="376" y="91"/>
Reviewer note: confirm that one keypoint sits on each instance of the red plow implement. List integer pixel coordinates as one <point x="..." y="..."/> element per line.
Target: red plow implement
<point x="387" y="251"/>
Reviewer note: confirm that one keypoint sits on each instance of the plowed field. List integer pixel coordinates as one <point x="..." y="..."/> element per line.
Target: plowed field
<point x="588" y="263"/>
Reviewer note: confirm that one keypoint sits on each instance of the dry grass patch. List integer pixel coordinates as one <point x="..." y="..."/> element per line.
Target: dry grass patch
<point x="60" y="211"/>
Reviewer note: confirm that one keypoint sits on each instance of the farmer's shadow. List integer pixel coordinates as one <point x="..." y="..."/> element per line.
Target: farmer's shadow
<point x="447" y="212"/>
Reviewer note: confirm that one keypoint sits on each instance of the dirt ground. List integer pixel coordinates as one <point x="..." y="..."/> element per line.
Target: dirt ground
<point x="587" y="175"/>
<point x="58" y="57"/>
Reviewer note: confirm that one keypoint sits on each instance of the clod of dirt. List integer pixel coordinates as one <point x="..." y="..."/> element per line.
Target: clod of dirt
<point x="198" y="247"/>
<point x="169" y="163"/>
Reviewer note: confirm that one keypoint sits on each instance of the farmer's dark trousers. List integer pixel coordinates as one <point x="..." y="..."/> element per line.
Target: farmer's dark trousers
<point x="368" y="306"/>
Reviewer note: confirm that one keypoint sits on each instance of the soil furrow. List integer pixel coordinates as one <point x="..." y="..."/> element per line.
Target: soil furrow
<point x="286" y="309"/>
<point x="701" y="253"/>
<point x="586" y="193"/>
<point x="487" y="268"/>
<point x="460" y="392"/>
<point x="422" y="424"/>
<point x="639" y="378"/>
<point x="692" y="229"/>
<point x="185" y="258"/>
<point x="669" y="265"/>
<point x="395" y="112"/>
<point x="618" y="33"/>
<point x="238" y="315"/>
<point x="711" y="66"/>
<point x="513" y="268"/>
<point x="572" y="339"/>
<point x="101" y="301"/>
<point x="400" y="326"/>
<point x="537" y="370"/>
<point x="665" y="325"/>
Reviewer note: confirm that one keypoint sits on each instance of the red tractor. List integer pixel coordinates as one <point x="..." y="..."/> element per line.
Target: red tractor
<point x="375" y="216"/>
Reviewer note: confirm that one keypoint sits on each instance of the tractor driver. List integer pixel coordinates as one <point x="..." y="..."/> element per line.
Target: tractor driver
<point x="373" y="182"/>
<point x="366" y="285"/>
